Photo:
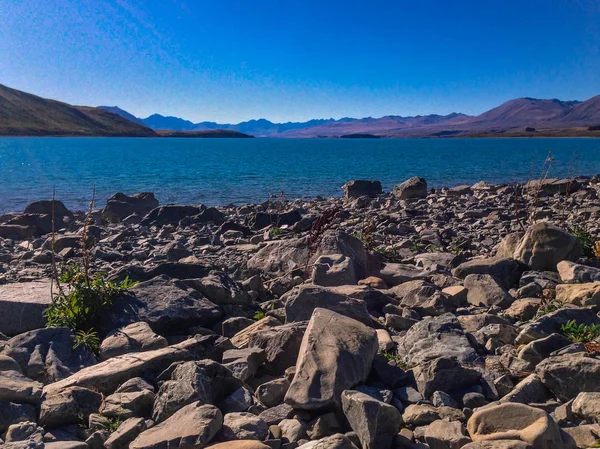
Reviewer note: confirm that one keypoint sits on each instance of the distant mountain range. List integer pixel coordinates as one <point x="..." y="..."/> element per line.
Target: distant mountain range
<point x="515" y="116"/>
<point x="26" y="114"/>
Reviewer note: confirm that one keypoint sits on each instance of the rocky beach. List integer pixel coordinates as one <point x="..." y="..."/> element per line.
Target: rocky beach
<point x="462" y="317"/>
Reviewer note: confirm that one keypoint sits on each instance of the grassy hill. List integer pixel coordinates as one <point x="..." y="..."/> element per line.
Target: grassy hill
<point x="23" y="114"/>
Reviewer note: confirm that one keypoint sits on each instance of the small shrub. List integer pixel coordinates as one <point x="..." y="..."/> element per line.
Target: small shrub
<point x="259" y="315"/>
<point x="88" y="340"/>
<point x="588" y="243"/>
<point x="275" y="232"/>
<point x="549" y="303"/>
<point x="580" y="333"/>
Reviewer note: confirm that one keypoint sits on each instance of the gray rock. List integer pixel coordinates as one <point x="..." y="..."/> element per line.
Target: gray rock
<point x="244" y="363"/>
<point x="574" y="273"/>
<point x="22" y="305"/>
<point x="274" y="415"/>
<point x="552" y="323"/>
<point x="281" y="344"/>
<point x="530" y="390"/>
<point x="544" y="245"/>
<point x="375" y="422"/>
<point x="358" y="187"/>
<point x="193" y="426"/>
<point x="483" y="289"/>
<point x="538" y="350"/>
<point x="397" y="273"/>
<point x="443" y="374"/>
<point x="125" y="433"/>
<point x="71" y="406"/>
<point x="220" y="289"/>
<point x="336" y="441"/>
<point x="445" y="435"/>
<point x="414" y="187"/>
<point x="336" y="354"/>
<point x="120" y="206"/>
<point x="135" y="337"/>
<point x="11" y="413"/>
<point x="568" y="375"/>
<point x="507" y="271"/>
<point x="15" y="387"/>
<point x="25" y="431"/>
<point x="244" y="426"/>
<point x="333" y="270"/>
<point x="587" y="406"/>
<point x="238" y="401"/>
<point x="170" y="214"/>
<point x="128" y="405"/>
<point x="272" y="393"/>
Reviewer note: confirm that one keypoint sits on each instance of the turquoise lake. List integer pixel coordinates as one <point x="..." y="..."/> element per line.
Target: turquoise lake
<point x="223" y="171"/>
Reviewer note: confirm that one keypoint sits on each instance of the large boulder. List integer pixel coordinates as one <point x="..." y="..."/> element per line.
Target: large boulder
<point x="15" y="387"/>
<point x="244" y="426"/>
<point x="574" y="273"/>
<point x="48" y="207"/>
<point x="336" y="441"/>
<point x="568" y="375"/>
<point x="136" y="337"/>
<point x="220" y="289"/>
<point x="553" y="322"/>
<point x="301" y="301"/>
<point x="191" y="427"/>
<point x="22" y="305"/>
<point x="108" y="375"/>
<point x="167" y="305"/>
<point x="336" y="354"/>
<point x="333" y="270"/>
<point x="120" y="206"/>
<point x="583" y="295"/>
<point x="206" y="381"/>
<point x="244" y="363"/>
<point x="414" y="187"/>
<point x="544" y="245"/>
<point x="281" y="344"/>
<point x="358" y="187"/>
<point x="436" y="337"/>
<point x="48" y="355"/>
<point x="72" y="405"/>
<point x="171" y="214"/>
<point x="375" y="423"/>
<point x="442" y="434"/>
<point x="506" y="271"/>
<point x="513" y="421"/>
<point x="483" y="289"/>
<point x="444" y="374"/>
<point x="11" y="413"/>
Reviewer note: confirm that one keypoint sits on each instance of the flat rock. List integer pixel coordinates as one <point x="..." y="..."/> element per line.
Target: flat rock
<point x="135" y="337"/>
<point x="22" y="305"/>
<point x="568" y="375"/>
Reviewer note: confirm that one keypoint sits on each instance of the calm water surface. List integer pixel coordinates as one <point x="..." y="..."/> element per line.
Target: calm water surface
<point x="222" y="171"/>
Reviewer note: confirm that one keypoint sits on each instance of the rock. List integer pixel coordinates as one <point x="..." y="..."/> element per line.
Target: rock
<point x="238" y="401"/>
<point x="25" y="431"/>
<point x="540" y="349"/>
<point x="15" y="387"/>
<point x="241" y="339"/>
<point x="420" y="415"/>
<point x="336" y="354"/>
<point x="530" y="390"/>
<point x="272" y="393"/>
<point x="333" y="270"/>
<point x="585" y="435"/>
<point x="243" y="363"/>
<point x="574" y="273"/>
<point x="281" y="344"/>
<point x="108" y="375"/>
<point x="170" y="214"/>
<point x="125" y="433"/>
<point x="507" y="246"/>
<point x="552" y="323"/>
<point x="375" y="422"/>
<point x="445" y="435"/>
<point x="587" y="406"/>
<point x="373" y="282"/>
<point x="544" y="245"/>
<point x="498" y="444"/>
<point x="443" y="374"/>
<point x="397" y="273"/>
<point x="240" y="444"/>
<point x="304" y="299"/>
<point x="506" y="271"/>
<point x="244" y="426"/>
<point x="517" y="422"/>
<point x="71" y="406"/>
<point x="414" y="187"/>
<point x="48" y="207"/>
<point x="436" y="337"/>
<point x="426" y="299"/>
<point x="276" y="414"/>
<point x="292" y="430"/>
<point x="120" y="206"/>
<point x="357" y="188"/>
<point x="11" y="413"/>
<point x="583" y="295"/>
<point x="193" y="426"/>
<point x="337" y="441"/>
<point x="136" y="337"/>
<point x="167" y="305"/>
<point x="220" y="289"/>
<point x="22" y="304"/>
<point x="484" y="290"/>
<point x="47" y="355"/>
<point x="233" y="325"/>
<point x="127" y="405"/>
<point x="205" y="381"/>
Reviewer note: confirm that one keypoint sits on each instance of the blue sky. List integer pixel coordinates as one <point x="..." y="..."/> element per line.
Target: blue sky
<point x="229" y="61"/>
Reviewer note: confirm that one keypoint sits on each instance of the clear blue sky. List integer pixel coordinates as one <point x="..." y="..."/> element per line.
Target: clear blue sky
<point x="229" y="61"/>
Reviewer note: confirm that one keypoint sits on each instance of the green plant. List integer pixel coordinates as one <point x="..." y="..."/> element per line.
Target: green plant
<point x="113" y="424"/>
<point x="580" y="333"/>
<point x="416" y="248"/>
<point x="275" y="232"/>
<point x="392" y="356"/>
<point x="259" y="315"/>
<point x="87" y="339"/>
<point x="586" y="240"/>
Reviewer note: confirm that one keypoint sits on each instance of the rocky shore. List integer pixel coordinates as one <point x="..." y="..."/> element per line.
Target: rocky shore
<point x="464" y="317"/>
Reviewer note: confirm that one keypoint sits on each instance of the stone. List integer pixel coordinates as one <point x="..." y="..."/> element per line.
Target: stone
<point x="436" y="337"/>
<point x="193" y="426"/>
<point x="517" y="422"/>
<point x="108" y="375"/>
<point x="587" y="406"/>
<point x="336" y="441"/>
<point x="242" y="338"/>
<point x="544" y="245"/>
<point x="530" y="390"/>
<point x="243" y="363"/>
<point x="585" y="435"/>
<point x="445" y="435"/>
<point x="276" y="414"/>
<point x="220" y="289"/>
<point x="120" y="206"/>
<point x="244" y="426"/>
<point x="22" y="304"/>
<point x="568" y="375"/>
<point x="135" y="337"/>
<point x="240" y="444"/>
<point x="414" y="187"/>
<point x="373" y="282"/>
<point x="507" y="246"/>
<point x="280" y="344"/>
<point x="574" y="273"/>
<point x="375" y="422"/>
<point x="336" y="354"/>
<point x="128" y="405"/>
<point x="238" y="401"/>
<point x="48" y="355"/>
<point x="125" y="433"/>
<point x="420" y="415"/>
<point x="498" y="444"/>
<point x="70" y="406"/>
<point x="233" y="325"/>
<point x="358" y="187"/>
<point x="483" y="289"/>
<point x="552" y="323"/>
<point x="167" y="305"/>
<point x="205" y="381"/>
<point x="15" y="387"/>
<point x="443" y="374"/>
<point x="272" y="393"/>
<point x="292" y="430"/>
<point x="394" y="274"/>
<point x="11" y="413"/>
<point x="24" y="431"/>
<point x="583" y="295"/>
<point x="506" y="271"/>
<point x="171" y="214"/>
<point x="538" y="350"/>
<point x="332" y="270"/>
<point x="301" y="301"/>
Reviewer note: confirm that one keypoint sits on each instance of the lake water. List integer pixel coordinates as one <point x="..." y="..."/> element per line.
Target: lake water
<point x="222" y="171"/>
